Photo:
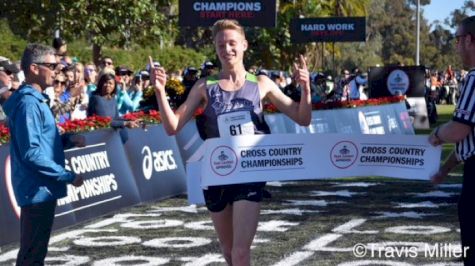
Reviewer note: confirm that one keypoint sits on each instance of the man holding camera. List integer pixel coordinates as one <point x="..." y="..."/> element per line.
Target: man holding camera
<point x="131" y="90"/>
<point x="190" y="77"/>
<point x="207" y="69"/>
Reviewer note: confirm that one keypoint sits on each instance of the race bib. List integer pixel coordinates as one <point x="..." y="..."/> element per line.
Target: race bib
<point x="235" y="123"/>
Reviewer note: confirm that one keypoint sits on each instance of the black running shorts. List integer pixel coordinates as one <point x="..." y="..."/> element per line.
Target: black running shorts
<point x="218" y="197"/>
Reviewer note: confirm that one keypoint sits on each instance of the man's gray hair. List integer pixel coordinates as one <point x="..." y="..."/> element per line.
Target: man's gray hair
<point x="35" y="53"/>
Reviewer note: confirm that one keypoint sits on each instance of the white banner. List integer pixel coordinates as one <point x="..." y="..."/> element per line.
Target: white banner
<point x="386" y="119"/>
<point x="256" y="158"/>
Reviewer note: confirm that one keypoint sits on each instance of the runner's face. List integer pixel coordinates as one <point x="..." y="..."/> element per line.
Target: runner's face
<point x="230" y="47"/>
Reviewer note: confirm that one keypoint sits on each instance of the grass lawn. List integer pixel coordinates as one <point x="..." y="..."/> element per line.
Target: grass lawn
<point x="445" y="114"/>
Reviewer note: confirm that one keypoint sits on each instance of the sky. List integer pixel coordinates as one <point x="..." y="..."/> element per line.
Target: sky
<point x="441" y="9"/>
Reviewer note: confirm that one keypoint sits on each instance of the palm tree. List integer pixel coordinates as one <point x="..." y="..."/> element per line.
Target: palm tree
<point x="346" y="8"/>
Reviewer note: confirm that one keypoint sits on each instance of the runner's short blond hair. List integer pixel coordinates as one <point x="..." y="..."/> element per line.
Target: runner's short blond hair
<point x="227" y="24"/>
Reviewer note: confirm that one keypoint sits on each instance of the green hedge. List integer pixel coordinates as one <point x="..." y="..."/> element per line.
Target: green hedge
<point x="172" y="58"/>
<point x="11" y="46"/>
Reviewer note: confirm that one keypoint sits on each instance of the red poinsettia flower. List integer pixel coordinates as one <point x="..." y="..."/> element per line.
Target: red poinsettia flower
<point x="270" y="108"/>
<point x="153" y="116"/>
<point x="90" y="123"/>
<point x="4" y="134"/>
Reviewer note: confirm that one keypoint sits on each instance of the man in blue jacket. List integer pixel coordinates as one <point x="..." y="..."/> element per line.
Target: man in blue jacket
<point x="37" y="155"/>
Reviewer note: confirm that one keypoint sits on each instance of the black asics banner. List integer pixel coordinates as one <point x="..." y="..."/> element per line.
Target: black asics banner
<point x="196" y="13"/>
<point x="120" y="168"/>
<point x="155" y="161"/>
<point x="108" y="179"/>
<point x="10" y="214"/>
<point x="334" y="29"/>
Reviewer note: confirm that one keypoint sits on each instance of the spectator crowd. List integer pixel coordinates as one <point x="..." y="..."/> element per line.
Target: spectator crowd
<point x="84" y="89"/>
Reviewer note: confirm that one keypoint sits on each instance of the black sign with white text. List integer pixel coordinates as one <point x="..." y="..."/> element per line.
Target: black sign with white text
<point x="196" y="13"/>
<point x="108" y="182"/>
<point x="156" y="163"/>
<point x="120" y="168"/>
<point x="334" y="29"/>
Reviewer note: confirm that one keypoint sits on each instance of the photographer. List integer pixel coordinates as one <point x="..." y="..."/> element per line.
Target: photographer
<point x="356" y="83"/>
<point x="123" y="77"/>
<point x="129" y="101"/>
<point x="76" y="92"/>
<point x="190" y="77"/>
<point x="207" y="69"/>
<point x="342" y="88"/>
<point x="321" y="90"/>
<point x="293" y="90"/>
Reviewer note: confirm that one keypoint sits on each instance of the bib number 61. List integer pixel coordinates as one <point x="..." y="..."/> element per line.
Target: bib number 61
<point x="235" y="130"/>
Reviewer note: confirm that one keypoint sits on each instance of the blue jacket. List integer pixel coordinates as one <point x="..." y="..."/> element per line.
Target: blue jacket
<point x="36" y="149"/>
<point x="129" y="101"/>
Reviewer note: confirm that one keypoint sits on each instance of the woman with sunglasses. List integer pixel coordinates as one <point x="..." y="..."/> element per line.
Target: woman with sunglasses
<point x="90" y="76"/>
<point x="61" y="109"/>
<point x="107" y="63"/>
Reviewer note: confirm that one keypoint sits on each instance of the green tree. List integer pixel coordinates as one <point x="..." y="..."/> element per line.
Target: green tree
<point x="362" y="55"/>
<point x="132" y="29"/>
<point x="11" y="45"/>
<point x="398" y="38"/>
<point x="113" y="23"/>
<point x="343" y="8"/>
<point x="459" y="14"/>
<point x="272" y="48"/>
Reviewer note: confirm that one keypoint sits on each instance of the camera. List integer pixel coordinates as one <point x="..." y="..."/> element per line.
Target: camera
<point x="144" y="75"/>
<point x="141" y="76"/>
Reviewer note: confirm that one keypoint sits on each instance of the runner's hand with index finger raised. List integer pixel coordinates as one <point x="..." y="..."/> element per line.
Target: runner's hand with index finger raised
<point x="158" y="77"/>
<point x="301" y="73"/>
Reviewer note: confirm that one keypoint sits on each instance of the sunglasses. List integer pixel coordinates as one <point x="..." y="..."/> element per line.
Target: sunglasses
<point x="60" y="82"/>
<point x="108" y="63"/>
<point x="90" y="69"/>
<point x="51" y="66"/>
